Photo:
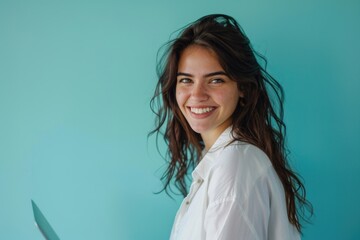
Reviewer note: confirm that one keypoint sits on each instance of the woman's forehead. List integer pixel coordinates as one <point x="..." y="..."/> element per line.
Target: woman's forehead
<point x="198" y="60"/>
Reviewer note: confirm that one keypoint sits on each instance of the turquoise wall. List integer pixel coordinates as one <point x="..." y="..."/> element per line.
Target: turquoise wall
<point x="76" y="78"/>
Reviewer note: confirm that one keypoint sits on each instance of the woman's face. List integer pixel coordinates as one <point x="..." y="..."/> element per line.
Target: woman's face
<point x="205" y="94"/>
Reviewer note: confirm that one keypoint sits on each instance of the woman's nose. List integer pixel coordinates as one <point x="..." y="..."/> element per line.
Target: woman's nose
<point x="199" y="92"/>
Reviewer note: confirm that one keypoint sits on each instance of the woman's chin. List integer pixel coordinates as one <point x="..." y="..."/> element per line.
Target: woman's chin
<point x="199" y="128"/>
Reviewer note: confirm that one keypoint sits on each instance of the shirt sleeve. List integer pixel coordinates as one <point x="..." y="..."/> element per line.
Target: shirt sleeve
<point x="240" y="217"/>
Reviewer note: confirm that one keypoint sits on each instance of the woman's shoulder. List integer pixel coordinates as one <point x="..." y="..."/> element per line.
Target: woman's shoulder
<point x="237" y="168"/>
<point x="240" y="162"/>
<point x="244" y="157"/>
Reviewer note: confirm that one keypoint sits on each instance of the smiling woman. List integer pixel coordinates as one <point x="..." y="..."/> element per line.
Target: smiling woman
<point x="212" y="97"/>
<point x="206" y="96"/>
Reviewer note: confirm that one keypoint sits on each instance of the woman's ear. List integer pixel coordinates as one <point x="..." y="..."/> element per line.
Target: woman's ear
<point x="241" y="94"/>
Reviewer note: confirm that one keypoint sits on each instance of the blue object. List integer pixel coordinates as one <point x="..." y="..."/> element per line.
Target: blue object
<point x="43" y="225"/>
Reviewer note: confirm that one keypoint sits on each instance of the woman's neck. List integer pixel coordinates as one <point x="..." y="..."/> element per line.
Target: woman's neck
<point x="210" y="137"/>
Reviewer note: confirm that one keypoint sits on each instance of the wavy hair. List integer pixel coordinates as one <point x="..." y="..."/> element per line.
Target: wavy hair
<point x="258" y="119"/>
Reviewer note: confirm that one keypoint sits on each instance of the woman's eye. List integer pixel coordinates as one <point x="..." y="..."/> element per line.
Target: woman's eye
<point x="184" y="80"/>
<point x="217" y="80"/>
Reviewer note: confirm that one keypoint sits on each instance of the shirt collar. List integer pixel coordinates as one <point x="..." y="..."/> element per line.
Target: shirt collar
<point x="209" y="158"/>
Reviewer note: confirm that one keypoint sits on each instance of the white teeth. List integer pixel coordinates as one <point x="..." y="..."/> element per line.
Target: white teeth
<point x="201" y="110"/>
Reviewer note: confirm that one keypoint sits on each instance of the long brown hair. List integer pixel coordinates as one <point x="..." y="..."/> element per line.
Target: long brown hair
<point x="258" y="119"/>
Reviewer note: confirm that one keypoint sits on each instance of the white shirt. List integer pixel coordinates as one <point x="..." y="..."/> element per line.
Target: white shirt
<point x="235" y="194"/>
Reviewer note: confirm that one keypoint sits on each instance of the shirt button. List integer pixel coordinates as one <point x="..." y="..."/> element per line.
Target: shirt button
<point x="199" y="181"/>
<point x="187" y="202"/>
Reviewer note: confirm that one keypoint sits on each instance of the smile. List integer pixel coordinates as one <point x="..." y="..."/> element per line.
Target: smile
<point x="201" y="110"/>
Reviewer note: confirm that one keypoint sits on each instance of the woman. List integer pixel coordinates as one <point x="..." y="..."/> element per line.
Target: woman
<point x="213" y="99"/>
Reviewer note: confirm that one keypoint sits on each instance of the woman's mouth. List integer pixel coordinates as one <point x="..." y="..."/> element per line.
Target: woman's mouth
<point x="201" y="110"/>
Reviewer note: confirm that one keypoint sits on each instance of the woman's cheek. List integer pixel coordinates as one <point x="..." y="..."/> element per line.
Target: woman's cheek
<point x="180" y="97"/>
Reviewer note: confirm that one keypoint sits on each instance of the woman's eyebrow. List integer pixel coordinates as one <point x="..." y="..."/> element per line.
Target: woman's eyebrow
<point x="216" y="73"/>
<point x="206" y="75"/>
<point x="184" y="74"/>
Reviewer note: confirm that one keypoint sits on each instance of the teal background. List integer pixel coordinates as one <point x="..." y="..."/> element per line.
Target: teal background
<point x="76" y="78"/>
